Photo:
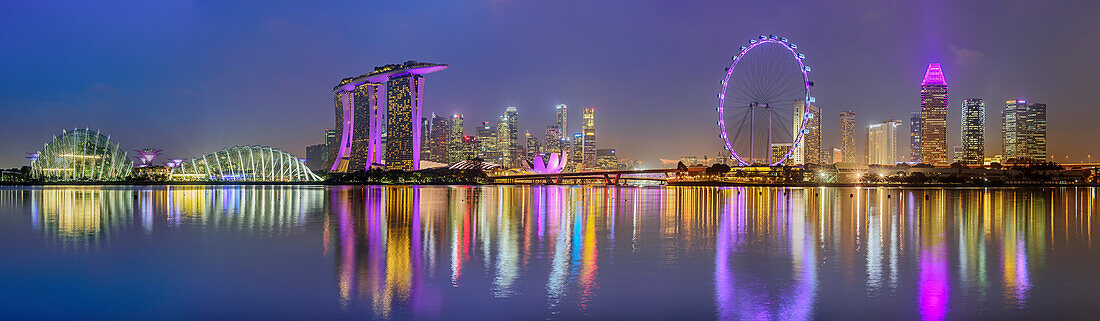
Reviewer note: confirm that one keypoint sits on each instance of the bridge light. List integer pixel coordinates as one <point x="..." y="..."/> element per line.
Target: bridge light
<point x="807" y="68"/>
<point x="794" y="46"/>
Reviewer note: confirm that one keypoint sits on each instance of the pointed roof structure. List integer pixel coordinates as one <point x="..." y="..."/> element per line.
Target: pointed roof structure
<point x="933" y="76"/>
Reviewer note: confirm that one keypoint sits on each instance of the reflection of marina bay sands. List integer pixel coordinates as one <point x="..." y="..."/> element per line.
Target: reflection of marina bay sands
<point x="360" y="115"/>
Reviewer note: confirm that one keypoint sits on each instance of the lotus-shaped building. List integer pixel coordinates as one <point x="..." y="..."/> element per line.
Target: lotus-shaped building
<point x="250" y="163"/>
<point x="81" y="155"/>
<point x="553" y="165"/>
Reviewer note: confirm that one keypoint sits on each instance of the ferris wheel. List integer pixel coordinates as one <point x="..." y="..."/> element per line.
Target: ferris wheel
<point x="762" y="107"/>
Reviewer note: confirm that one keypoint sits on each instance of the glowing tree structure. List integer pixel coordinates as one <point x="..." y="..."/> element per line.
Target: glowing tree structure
<point x="763" y="84"/>
<point x="81" y="155"/>
<point x="146" y="155"/>
<point x="174" y="163"/>
<point x="245" y="163"/>
<point x="553" y="165"/>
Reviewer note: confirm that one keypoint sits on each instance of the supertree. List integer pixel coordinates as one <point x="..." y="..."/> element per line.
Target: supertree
<point x="147" y="155"/>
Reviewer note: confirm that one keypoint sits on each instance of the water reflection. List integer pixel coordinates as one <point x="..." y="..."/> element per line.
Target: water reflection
<point x="567" y="252"/>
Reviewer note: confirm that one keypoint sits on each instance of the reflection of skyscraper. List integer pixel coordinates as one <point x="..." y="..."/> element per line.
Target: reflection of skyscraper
<point x="848" y="135"/>
<point x="809" y="150"/>
<point x="973" y="131"/>
<point x="933" y="116"/>
<point x="882" y="143"/>
<point x="588" y="128"/>
<point x="1024" y="128"/>
<point x="914" y="137"/>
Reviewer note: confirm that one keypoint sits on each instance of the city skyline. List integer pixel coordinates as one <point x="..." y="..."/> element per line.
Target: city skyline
<point x="147" y="95"/>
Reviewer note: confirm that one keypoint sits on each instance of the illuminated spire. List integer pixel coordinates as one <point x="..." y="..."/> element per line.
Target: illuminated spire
<point x="934" y="75"/>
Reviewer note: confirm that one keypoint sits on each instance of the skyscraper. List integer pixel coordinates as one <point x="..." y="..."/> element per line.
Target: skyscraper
<point x="531" y="148"/>
<point x="914" y="137"/>
<point x="315" y="156"/>
<point x="487" y="144"/>
<point x="933" y="116"/>
<point x="439" y="138"/>
<point x="848" y="135"/>
<point x="588" y="128"/>
<point x="359" y="119"/>
<point x="779" y="150"/>
<point x="426" y="131"/>
<point x="554" y="139"/>
<point x="973" y="131"/>
<point x="809" y="150"/>
<point x="1024" y="128"/>
<point x="606" y="159"/>
<point x="508" y="137"/>
<point x="576" y="152"/>
<point x="882" y="143"/>
<point x="562" y="113"/>
<point x="456" y="152"/>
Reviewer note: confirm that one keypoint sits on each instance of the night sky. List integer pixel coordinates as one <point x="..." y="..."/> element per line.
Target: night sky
<point x="191" y="77"/>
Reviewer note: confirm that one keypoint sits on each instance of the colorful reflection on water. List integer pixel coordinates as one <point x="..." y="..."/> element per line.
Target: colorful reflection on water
<point x="502" y="252"/>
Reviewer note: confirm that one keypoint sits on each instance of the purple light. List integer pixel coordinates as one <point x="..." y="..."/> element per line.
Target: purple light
<point x="32" y="156"/>
<point x="147" y="155"/>
<point x="174" y="163"/>
<point x="552" y="166"/>
<point x="934" y="75"/>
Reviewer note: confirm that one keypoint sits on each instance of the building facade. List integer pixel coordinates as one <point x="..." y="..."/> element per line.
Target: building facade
<point x="1024" y="128"/>
<point x="882" y="143"/>
<point x="455" y="145"/>
<point x="588" y="128"/>
<point x="487" y="144"/>
<point x="914" y="137"/>
<point x="933" y="116"/>
<point x="809" y="150"/>
<point x="606" y="159"/>
<point x="848" y="136"/>
<point x="531" y="147"/>
<point x="508" y="137"/>
<point x="973" y="131"/>
<point x="554" y="139"/>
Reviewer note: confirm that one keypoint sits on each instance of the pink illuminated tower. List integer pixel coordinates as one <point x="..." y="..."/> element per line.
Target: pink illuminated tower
<point x="933" y="116"/>
<point x="359" y="116"/>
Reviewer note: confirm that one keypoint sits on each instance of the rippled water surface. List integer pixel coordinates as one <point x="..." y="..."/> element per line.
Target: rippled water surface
<point x="547" y="252"/>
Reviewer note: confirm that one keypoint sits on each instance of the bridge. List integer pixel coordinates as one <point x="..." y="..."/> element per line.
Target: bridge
<point x="610" y="177"/>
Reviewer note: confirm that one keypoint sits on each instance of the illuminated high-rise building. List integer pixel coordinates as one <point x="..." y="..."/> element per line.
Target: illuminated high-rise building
<point x="531" y="148"/>
<point x="933" y="116"/>
<point x="576" y="151"/>
<point x="848" y="135"/>
<point x="779" y="150"/>
<point x="882" y="143"/>
<point x="914" y="137"/>
<point x="588" y="128"/>
<point x="554" y="139"/>
<point x="973" y="131"/>
<point x="562" y="113"/>
<point x="439" y="138"/>
<point x="838" y="155"/>
<point x="361" y="122"/>
<point x="1024" y="128"/>
<point x="508" y="137"/>
<point x="606" y="159"/>
<point x="426" y="131"/>
<point x="456" y="133"/>
<point x="330" y="148"/>
<point x="487" y="144"/>
<point x="808" y="150"/>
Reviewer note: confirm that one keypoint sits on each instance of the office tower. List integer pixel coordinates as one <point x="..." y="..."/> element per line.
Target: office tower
<point x="487" y="144"/>
<point x="532" y="146"/>
<point x="957" y="154"/>
<point x="330" y="146"/>
<point x="606" y="159"/>
<point x="439" y="138"/>
<point x="455" y="135"/>
<point x="316" y="156"/>
<point x="508" y="137"/>
<point x="588" y="128"/>
<point x="973" y="131"/>
<point x="576" y="151"/>
<point x="1024" y="128"/>
<point x="882" y="143"/>
<point x="914" y="137"/>
<point x="779" y="150"/>
<point x="848" y="135"/>
<point x="809" y="150"/>
<point x="933" y="116"/>
<point x="554" y="139"/>
<point x="838" y="156"/>
<point x="562" y="113"/>
<point x="365" y="132"/>
<point x="426" y="131"/>
<point x="469" y="147"/>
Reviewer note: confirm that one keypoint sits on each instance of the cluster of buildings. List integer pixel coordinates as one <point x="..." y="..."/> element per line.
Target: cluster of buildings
<point x="380" y="123"/>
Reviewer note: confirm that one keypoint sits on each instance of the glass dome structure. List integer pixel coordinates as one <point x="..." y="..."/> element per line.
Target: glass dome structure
<point x="250" y="163"/>
<point x="81" y="155"/>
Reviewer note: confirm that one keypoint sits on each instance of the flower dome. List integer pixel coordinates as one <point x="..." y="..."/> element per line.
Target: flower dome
<point x="249" y="163"/>
<point x="81" y="155"/>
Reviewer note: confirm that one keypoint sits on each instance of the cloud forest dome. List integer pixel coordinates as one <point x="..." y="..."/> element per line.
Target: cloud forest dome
<point x="81" y="154"/>
<point x="250" y="163"/>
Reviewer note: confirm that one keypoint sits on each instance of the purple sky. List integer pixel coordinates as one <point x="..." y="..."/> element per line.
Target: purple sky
<point x="191" y="77"/>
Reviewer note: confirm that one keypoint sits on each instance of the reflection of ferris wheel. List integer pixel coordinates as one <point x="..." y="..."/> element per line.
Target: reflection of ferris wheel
<point x="762" y="110"/>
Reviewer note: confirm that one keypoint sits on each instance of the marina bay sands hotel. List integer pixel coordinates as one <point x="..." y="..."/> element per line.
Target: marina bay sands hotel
<point x="392" y="94"/>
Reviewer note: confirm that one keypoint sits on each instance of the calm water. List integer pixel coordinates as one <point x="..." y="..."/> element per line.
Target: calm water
<point x="547" y="252"/>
